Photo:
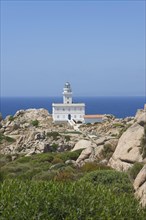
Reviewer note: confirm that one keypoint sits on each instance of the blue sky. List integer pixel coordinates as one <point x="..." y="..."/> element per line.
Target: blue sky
<point x="98" y="46"/>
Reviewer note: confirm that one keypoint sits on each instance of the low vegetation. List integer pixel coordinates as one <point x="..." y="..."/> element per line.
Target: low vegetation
<point x="107" y="151"/>
<point x="35" y="123"/>
<point x="6" y="138"/>
<point x="143" y="144"/>
<point x="134" y="170"/>
<point x="55" y="135"/>
<point x="44" y="187"/>
<point x="11" y="118"/>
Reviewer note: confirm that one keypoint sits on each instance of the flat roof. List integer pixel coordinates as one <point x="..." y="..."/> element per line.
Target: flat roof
<point x="93" y="116"/>
<point x="68" y="105"/>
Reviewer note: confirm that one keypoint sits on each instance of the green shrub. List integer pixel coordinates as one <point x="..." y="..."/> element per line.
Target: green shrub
<point x="143" y="144"/>
<point x="54" y="147"/>
<point x="9" y="139"/>
<point x="55" y="135"/>
<point x="67" y="138"/>
<point x="134" y="170"/>
<point x="57" y="160"/>
<point x="1" y="176"/>
<point x="11" y="118"/>
<point x="91" y="166"/>
<point x="118" y="125"/>
<point x="69" y="155"/>
<point x="35" y="123"/>
<point x="45" y="175"/>
<point x="6" y="138"/>
<point x="107" y="151"/>
<point x="117" y="181"/>
<point x="64" y="176"/>
<point x="71" y="201"/>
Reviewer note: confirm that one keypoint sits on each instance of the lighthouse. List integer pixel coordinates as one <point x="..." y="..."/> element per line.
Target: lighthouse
<point x="67" y="93"/>
<point x="68" y="110"/>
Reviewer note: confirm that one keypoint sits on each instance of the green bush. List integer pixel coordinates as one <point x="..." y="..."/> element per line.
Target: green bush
<point x="67" y="138"/>
<point x="91" y="166"/>
<point x="117" y="181"/>
<point x="143" y="144"/>
<point x="69" y="155"/>
<point x="6" y="138"/>
<point x="11" y="118"/>
<point x="107" y="151"/>
<point x="41" y="200"/>
<point x="54" y="147"/>
<point x="134" y="170"/>
<point x="57" y="160"/>
<point x="55" y="135"/>
<point x="35" y="123"/>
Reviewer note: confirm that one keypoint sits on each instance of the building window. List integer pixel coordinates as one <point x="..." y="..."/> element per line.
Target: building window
<point x="57" y="116"/>
<point x="63" y="109"/>
<point x="74" y="108"/>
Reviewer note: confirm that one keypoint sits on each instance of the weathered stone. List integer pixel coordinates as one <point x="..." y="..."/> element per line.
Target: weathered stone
<point x="141" y="178"/>
<point x="128" y="149"/>
<point x="98" y="152"/>
<point x="32" y="152"/>
<point x="68" y="162"/>
<point x="141" y="194"/>
<point x="85" y="154"/>
<point x="81" y="145"/>
<point x="119" y="165"/>
<point x="100" y="141"/>
<point x="112" y="143"/>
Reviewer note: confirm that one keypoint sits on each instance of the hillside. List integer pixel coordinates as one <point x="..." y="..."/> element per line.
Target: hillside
<point x="72" y="172"/>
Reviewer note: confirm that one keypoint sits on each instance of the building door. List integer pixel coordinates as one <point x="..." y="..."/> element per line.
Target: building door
<point x="69" y="116"/>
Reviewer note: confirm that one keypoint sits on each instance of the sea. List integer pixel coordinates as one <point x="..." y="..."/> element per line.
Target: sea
<point x="120" y="107"/>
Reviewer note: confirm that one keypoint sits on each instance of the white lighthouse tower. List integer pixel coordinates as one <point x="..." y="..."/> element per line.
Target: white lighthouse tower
<point x="67" y="94"/>
<point x="68" y="110"/>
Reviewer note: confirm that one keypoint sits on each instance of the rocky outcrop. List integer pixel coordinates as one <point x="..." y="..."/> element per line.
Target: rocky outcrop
<point x="82" y="144"/>
<point x="140" y="186"/>
<point x="128" y="149"/>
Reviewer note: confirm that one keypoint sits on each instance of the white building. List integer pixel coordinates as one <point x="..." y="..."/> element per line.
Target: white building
<point x="68" y="110"/>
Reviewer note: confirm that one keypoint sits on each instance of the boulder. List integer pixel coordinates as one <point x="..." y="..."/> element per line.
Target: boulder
<point x="100" y="141"/>
<point x="128" y="149"/>
<point x="141" y="118"/>
<point x="85" y="154"/>
<point x="98" y="152"/>
<point x="70" y="162"/>
<point x="112" y="143"/>
<point x="141" y="194"/>
<point x="81" y="145"/>
<point x="141" y="178"/>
